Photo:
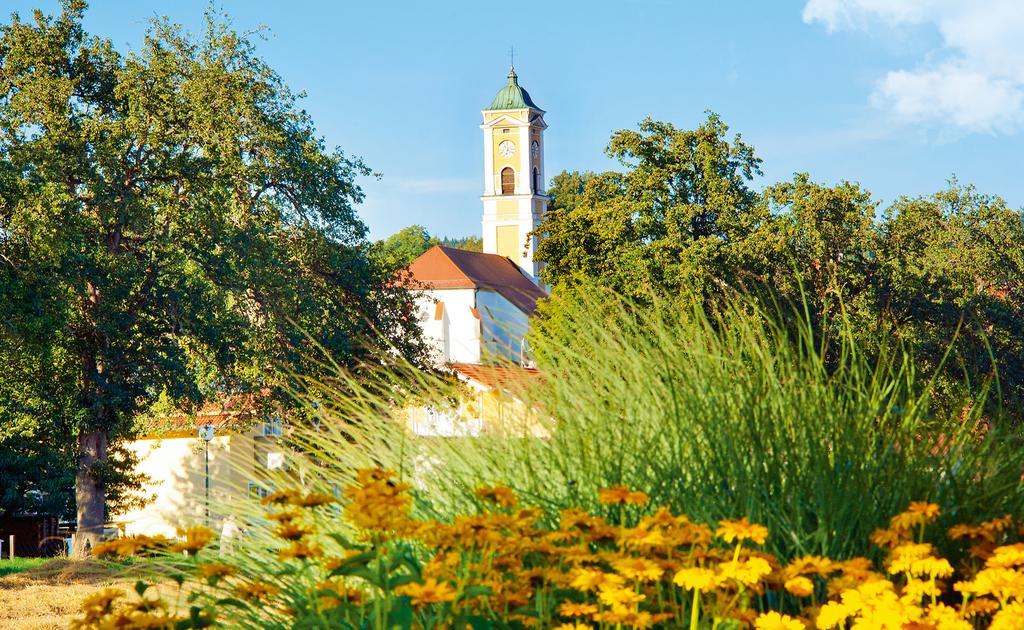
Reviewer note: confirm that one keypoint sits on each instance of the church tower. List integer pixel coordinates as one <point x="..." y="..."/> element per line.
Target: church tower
<point x="514" y="197"/>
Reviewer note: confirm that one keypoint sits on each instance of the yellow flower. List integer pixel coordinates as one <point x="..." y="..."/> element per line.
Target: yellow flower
<point x="775" y="621"/>
<point x="195" y="539"/>
<point x="1006" y="557"/>
<point x="129" y="545"/>
<point x="831" y="615"/>
<point x="429" y="592"/>
<point x="918" y="589"/>
<point x="799" y="586"/>
<point x="947" y="618"/>
<point x="573" y="626"/>
<point x="572" y="609"/>
<point x="216" y="569"/>
<point x="97" y="604"/>
<point x="1009" y="618"/>
<point x="639" y="569"/>
<point x="918" y="513"/>
<point x="906" y="554"/>
<point x="300" y="550"/>
<point x="1002" y="584"/>
<point x="617" y="596"/>
<point x="376" y="503"/>
<point x="808" y="565"/>
<point x="889" y="537"/>
<point x="499" y="495"/>
<point x="286" y="516"/>
<point x="313" y="499"/>
<point x="696" y="578"/>
<point x="281" y="497"/>
<point x="747" y="572"/>
<point x="291" y="531"/>
<point x="256" y="591"/>
<point x="742" y="529"/>
<point x="589" y="580"/>
<point x="932" y="567"/>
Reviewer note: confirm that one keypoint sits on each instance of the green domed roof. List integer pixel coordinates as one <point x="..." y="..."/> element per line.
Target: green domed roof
<point x="512" y="96"/>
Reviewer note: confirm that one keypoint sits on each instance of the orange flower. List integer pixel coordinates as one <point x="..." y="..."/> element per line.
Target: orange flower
<point x="216" y="569"/>
<point x="313" y="499"/>
<point x="637" y="498"/>
<point x="256" y="591"/>
<point x="498" y="494"/>
<point x="613" y="495"/>
<point x="572" y="609"/>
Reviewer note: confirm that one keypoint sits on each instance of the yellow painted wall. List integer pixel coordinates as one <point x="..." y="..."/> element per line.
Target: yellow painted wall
<point x="508" y="241"/>
<point x="507" y="210"/>
<point x="177" y="480"/>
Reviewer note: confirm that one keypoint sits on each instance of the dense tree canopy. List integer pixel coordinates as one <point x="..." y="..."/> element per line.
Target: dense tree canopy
<point x="405" y="245"/>
<point x="170" y="226"/>
<point x="683" y="222"/>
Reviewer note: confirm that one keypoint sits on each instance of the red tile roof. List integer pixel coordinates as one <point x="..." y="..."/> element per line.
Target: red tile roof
<point x="496" y="376"/>
<point x="222" y="414"/>
<point x="450" y="268"/>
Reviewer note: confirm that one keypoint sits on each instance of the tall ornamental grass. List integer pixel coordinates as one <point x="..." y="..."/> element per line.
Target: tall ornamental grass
<point x="712" y="415"/>
<point x="595" y="505"/>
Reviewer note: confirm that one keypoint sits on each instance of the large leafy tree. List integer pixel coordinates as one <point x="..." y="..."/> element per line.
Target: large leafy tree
<point x="402" y="247"/>
<point x="406" y="245"/>
<point x="170" y="226"/>
<point x="941" y="274"/>
<point x="672" y="222"/>
<point x="953" y="268"/>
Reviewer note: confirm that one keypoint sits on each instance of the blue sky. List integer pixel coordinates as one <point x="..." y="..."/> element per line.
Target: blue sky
<point x="895" y="94"/>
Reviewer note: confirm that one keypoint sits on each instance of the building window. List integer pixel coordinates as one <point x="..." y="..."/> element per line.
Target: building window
<point x="536" y="179"/>
<point x="508" y="181"/>
<point x="256" y="492"/>
<point x="272" y="427"/>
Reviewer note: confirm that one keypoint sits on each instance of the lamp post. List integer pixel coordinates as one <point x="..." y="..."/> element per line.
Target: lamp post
<point x="206" y="434"/>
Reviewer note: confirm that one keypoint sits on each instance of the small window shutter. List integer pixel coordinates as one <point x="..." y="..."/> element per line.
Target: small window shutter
<point x="508" y="181"/>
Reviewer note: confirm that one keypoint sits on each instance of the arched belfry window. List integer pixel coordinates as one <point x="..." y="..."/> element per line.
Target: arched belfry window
<point x="536" y="179"/>
<point x="508" y="181"/>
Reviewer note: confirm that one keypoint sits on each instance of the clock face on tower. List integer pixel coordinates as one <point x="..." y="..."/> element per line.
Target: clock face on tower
<point x="507" y="148"/>
<point x="535" y="149"/>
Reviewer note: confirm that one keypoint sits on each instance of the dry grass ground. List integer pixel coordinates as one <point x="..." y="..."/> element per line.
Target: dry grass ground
<point x="48" y="596"/>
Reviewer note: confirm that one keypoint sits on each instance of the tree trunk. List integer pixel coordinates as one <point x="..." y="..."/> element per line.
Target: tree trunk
<point x="90" y="490"/>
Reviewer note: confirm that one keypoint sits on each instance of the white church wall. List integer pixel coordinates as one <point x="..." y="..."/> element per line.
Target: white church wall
<point x="456" y="336"/>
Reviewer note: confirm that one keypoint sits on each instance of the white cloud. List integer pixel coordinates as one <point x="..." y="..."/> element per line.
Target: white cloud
<point x="974" y="81"/>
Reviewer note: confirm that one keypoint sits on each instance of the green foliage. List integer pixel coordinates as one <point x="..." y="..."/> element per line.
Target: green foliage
<point x="672" y="222"/>
<point x="681" y="226"/>
<point x="18" y="565"/>
<point x="734" y="413"/>
<point x="468" y="243"/>
<point x="170" y="223"/>
<point x="404" y="246"/>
